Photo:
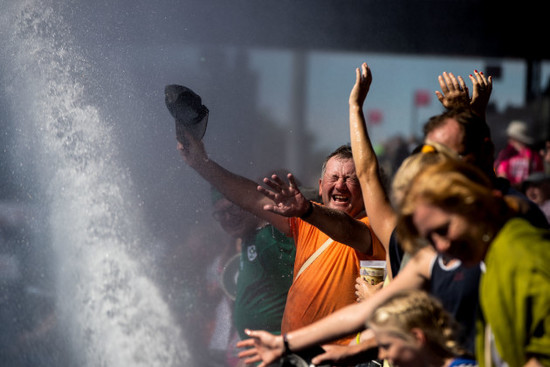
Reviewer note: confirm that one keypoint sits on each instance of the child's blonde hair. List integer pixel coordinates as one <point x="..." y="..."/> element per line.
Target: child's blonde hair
<point x="412" y="309"/>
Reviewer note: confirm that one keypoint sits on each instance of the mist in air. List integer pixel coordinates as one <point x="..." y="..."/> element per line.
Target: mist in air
<point x="106" y="233"/>
<point x="108" y="249"/>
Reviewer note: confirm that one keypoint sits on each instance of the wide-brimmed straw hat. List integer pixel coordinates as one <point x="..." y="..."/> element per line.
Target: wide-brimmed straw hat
<point x="518" y="130"/>
<point x="187" y="108"/>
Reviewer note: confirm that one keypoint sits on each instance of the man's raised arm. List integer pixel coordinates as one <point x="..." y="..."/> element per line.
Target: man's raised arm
<point x="238" y="189"/>
<point x="286" y="199"/>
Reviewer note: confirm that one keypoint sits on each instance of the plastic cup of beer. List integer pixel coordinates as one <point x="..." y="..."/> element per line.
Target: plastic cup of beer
<point x="373" y="271"/>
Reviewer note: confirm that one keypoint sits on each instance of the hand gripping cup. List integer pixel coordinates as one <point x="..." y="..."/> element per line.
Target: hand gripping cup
<point x="373" y="271"/>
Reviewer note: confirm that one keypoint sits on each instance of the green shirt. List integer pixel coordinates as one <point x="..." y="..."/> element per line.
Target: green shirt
<point x="515" y="294"/>
<point x="265" y="275"/>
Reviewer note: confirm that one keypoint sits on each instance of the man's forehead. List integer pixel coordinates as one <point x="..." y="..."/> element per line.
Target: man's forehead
<point x="337" y="163"/>
<point x="449" y="134"/>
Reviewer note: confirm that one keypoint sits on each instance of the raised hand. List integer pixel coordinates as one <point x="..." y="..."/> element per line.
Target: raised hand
<point x="483" y="86"/>
<point x="361" y="88"/>
<point x="287" y="198"/>
<point x="192" y="151"/>
<point x="454" y="92"/>
<point x="262" y="346"/>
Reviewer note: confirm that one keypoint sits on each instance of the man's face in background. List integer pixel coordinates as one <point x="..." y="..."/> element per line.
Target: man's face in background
<point x="235" y="221"/>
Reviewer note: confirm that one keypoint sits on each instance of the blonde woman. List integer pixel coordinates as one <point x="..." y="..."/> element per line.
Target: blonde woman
<point x="452" y="207"/>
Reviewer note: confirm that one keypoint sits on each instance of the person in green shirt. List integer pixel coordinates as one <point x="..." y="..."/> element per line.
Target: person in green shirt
<point x="265" y="268"/>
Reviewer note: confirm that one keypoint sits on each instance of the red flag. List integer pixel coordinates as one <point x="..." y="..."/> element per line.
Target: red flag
<point x="422" y="98"/>
<point x="375" y="117"/>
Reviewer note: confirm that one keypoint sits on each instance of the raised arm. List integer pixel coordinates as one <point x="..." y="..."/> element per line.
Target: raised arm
<point x="350" y="319"/>
<point x="235" y="188"/>
<point x="287" y="200"/>
<point x="382" y="216"/>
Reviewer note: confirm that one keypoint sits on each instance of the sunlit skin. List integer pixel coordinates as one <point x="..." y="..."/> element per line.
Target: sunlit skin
<point x="451" y="234"/>
<point x="537" y="193"/>
<point x="398" y="351"/>
<point x="534" y="193"/>
<point x="339" y="187"/>
<point x="449" y="134"/>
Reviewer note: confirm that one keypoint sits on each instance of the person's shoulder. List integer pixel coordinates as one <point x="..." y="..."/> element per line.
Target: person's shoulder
<point x="519" y="239"/>
<point x="463" y="362"/>
<point x="519" y="226"/>
<point x="421" y="262"/>
<point x="271" y="230"/>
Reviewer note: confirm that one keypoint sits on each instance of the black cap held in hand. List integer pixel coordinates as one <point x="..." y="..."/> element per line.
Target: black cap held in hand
<point x="187" y="109"/>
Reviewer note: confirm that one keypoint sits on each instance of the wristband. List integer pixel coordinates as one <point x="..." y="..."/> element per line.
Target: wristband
<point x="287" y="350"/>
<point x="308" y="211"/>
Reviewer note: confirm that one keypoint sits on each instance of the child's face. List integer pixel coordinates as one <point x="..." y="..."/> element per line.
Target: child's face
<point x="535" y="194"/>
<point x="400" y="352"/>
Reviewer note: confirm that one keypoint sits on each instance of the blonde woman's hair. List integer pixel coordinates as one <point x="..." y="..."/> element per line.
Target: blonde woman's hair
<point x="428" y="154"/>
<point x="455" y="187"/>
<point x="412" y="309"/>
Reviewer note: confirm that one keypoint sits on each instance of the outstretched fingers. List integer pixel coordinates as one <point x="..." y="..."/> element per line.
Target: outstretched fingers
<point x="462" y="85"/>
<point x="292" y="182"/>
<point x="366" y="75"/>
<point x="275" y="183"/>
<point x="483" y="87"/>
<point x="481" y="81"/>
<point x="249" y="355"/>
<point x="263" y="347"/>
<point x="278" y="180"/>
<point x="274" y="187"/>
<point x="357" y="75"/>
<point x="277" y="207"/>
<point x="270" y="194"/>
<point x="452" y="81"/>
<point x="443" y="83"/>
<point x="363" y="79"/>
<point x="251" y="352"/>
<point x="247" y="343"/>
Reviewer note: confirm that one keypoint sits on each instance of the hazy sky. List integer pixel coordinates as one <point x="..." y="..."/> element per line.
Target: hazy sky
<point x="395" y="79"/>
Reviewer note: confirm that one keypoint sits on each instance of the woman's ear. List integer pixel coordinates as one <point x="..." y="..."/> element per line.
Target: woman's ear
<point x="418" y="335"/>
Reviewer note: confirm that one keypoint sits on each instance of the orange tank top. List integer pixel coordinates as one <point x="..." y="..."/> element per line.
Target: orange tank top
<point x="328" y="284"/>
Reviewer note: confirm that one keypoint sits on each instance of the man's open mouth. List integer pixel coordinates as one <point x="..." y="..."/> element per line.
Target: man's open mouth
<point x="340" y="198"/>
